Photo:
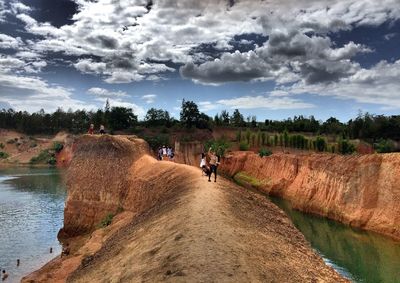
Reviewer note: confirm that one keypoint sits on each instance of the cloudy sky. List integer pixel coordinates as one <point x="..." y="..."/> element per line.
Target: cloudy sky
<point x="269" y="58"/>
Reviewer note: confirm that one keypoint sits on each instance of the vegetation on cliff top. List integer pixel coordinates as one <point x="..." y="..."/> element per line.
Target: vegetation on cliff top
<point x="377" y="130"/>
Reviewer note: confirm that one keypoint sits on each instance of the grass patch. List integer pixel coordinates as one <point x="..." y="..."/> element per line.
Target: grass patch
<point x="3" y="155"/>
<point x="106" y="220"/>
<point x="243" y="179"/>
<point x="44" y="157"/>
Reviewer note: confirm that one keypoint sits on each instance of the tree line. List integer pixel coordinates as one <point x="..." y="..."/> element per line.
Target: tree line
<point x="371" y="128"/>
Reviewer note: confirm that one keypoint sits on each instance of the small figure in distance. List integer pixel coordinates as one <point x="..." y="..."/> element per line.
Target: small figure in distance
<point x="18" y="262"/>
<point x="91" y="129"/>
<point x="171" y="158"/>
<point x="4" y="275"/>
<point x="51" y="250"/>
<point x="102" y="130"/>
<point x="164" y="153"/>
<point x="203" y="163"/>
<point x="66" y="250"/>
<point x="159" y="153"/>
<point x="213" y="164"/>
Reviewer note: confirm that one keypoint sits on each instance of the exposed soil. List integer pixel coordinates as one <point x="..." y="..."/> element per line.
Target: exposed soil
<point x="176" y="226"/>
<point x="216" y="232"/>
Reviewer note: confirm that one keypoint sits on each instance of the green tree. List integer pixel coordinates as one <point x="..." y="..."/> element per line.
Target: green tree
<point x="320" y="144"/>
<point x="237" y="119"/>
<point x="157" y="117"/>
<point x="225" y="118"/>
<point x="189" y="113"/>
<point x="122" y="118"/>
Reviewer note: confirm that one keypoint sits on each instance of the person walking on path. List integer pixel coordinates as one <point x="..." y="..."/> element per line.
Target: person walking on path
<point x="213" y="165"/>
<point x="91" y="129"/>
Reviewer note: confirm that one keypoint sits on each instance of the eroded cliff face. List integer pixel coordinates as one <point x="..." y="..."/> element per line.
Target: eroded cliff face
<point x="363" y="191"/>
<point x="110" y="174"/>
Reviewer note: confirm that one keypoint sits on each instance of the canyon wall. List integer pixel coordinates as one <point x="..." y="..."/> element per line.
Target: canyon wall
<point x="109" y="174"/>
<point x="363" y="191"/>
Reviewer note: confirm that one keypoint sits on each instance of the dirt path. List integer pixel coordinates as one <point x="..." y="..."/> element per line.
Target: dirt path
<point x="214" y="232"/>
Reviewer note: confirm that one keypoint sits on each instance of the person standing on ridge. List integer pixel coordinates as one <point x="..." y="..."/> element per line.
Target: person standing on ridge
<point x="164" y="153"/>
<point x="91" y="129"/>
<point x="4" y="275"/>
<point x="213" y="164"/>
<point x="102" y="130"/>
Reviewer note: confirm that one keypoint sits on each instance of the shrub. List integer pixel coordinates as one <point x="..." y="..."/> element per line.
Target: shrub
<point x="264" y="139"/>
<point x="218" y="146"/>
<point x="44" y="157"/>
<point x="248" y="135"/>
<point x="345" y="147"/>
<point x="384" y="146"/>
<point x="320" y="143"/>
<point x="2" y="145"/>
<point x="106" y="220"/>
<point x="238" y="136"/>
<point x="57" y="146"/>
<point x="3" y="155"/>
<point x="244" y="146"/>
<point x="264" y="152"/>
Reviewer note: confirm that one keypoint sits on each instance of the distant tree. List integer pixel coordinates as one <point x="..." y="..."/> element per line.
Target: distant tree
<point x="157" y="117"/>
<point x="189" y="113"/>
<point x="225" y="118"/>
<point x="253" y="121"/>
<point x="237" y="119"/>
<point x="345" y="147"/>
<point x="203" y="121"/>
<point x="122" y="118"/>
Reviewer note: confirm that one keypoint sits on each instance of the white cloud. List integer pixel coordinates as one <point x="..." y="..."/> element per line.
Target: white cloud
<point x="149" y="98"/>
<point x="101" y="92"/>
<point x="264" y="102"/>
<point x="9" y="42"/>
<point x="377" y="85"/>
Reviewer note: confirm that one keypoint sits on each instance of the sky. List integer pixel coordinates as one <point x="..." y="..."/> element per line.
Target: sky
<point x="272" y="59"/>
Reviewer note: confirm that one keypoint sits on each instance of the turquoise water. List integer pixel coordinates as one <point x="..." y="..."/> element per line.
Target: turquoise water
<point x="358" y="255"/>
<point x="31" y="214"/>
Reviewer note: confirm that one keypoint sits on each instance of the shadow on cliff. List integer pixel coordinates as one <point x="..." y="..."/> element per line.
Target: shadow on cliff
<point x="109" y="174"/>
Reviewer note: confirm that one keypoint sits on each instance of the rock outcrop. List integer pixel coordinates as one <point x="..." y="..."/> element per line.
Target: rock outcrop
<point x="363" y="191"/>
<point x="110" y="174"/>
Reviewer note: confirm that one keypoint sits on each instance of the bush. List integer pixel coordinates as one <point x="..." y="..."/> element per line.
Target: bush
<point x="345" y="147"/>
<point x="384" y="146"/>
<point x="57" y="146"/>
<point x="320" y="144"/>
<point x="2" y="145"/>
<point x="244" y="146"/>
<point x="264" y="152"/>
<point x="238" y="136"/>
<point x="107" y="220"/>
<point x="3" y="155"/>
<point x="44" y="157"/>
<point x="218" y="146"/>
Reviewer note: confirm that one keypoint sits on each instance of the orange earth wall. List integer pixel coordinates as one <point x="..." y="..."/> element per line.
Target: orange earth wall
<point x="363" y="191"/>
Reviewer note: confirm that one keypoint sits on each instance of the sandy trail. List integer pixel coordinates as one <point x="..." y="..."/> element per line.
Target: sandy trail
<point x="214" y="232"/>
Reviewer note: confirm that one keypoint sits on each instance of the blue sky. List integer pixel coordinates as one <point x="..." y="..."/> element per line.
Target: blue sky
<point x="272" y="59"/>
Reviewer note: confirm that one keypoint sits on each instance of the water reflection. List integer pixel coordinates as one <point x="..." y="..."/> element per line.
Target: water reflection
<point x="31" y="213"/>
<point x="362" y="256"/>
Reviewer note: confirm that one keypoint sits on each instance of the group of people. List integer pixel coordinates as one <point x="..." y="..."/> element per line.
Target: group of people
<point x="166" y="153"/>
<point x="209" y="164"/>
<point x="102" y="130"/>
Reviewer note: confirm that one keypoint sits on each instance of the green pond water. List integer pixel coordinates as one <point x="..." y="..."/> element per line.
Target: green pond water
<point x="358" y="255"/>
<point x="31" y="214"/>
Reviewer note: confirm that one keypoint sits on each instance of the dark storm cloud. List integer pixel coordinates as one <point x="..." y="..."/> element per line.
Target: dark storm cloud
<point x="56" y="12"/>
<point x="103" y="41"/>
